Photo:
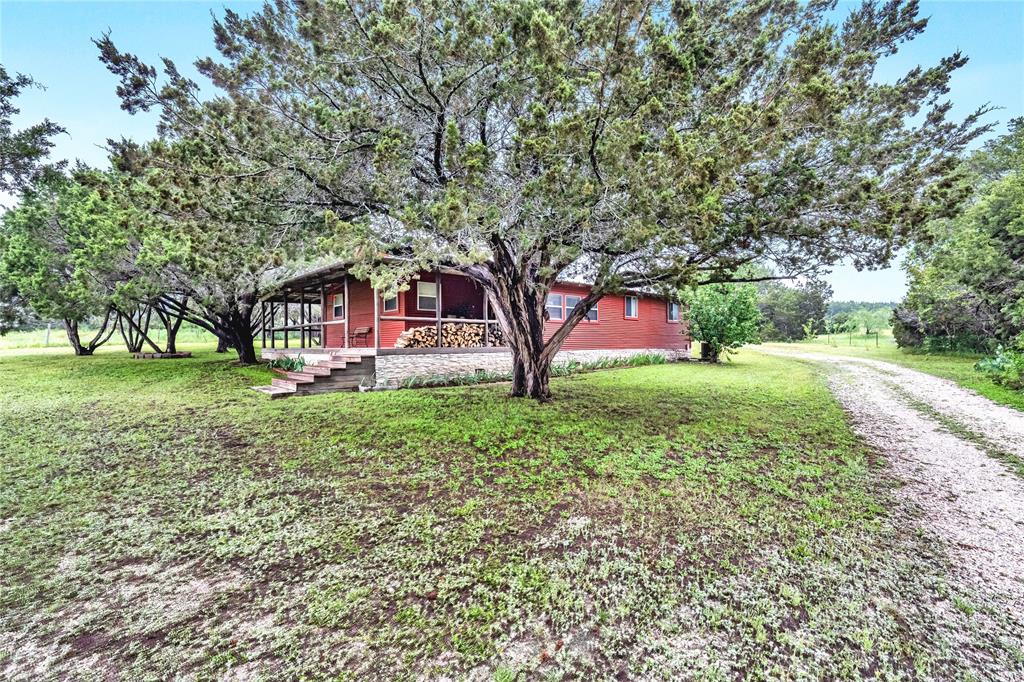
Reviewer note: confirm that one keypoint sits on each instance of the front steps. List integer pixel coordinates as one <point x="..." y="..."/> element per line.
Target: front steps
<point x="339" y="372"/>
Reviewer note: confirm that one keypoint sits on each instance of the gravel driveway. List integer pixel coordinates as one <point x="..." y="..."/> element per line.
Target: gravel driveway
<point x="959" y="455"/>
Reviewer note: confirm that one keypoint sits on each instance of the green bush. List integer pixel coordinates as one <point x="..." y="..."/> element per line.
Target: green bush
<point x="1005" y="368"/>
<point x="296" y="364"/>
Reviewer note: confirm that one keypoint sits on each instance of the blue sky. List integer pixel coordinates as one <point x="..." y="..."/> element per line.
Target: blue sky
<point x="51" y="41"/>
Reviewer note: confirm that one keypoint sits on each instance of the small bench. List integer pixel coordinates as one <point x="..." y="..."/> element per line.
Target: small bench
<point x="359" y="334"/>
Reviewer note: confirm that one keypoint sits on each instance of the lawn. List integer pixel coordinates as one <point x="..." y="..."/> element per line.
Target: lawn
<point x="679" y="521"/>
<point x="955" y="367"/>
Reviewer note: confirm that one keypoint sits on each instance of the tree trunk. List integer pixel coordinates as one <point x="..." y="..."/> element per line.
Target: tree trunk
<point x="708" y="353"/>
<point x="71" y="328"/>
<point x="172" y="326"/>
<point x="518" y="299"/>
<point x="531" y="377"/>
<point x="239" y="326"/>
<point x="520" y="313"/>
<point x="74" y="336"/>
<point x="172" y="334"/>
<point x="222" y="344"/>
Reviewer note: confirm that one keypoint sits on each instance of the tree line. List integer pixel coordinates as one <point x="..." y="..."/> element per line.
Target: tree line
<point x="637" y="145"/>
<point x="966" y="272"/>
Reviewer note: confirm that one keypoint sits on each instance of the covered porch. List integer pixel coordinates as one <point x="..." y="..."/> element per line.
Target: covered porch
<point x="329" y="310"/>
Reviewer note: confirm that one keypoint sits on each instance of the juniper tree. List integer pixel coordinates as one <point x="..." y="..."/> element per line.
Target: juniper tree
<point x="638" y="144"/>
<point x="62" y="248"/>
<point x="211" y="237"/>
<point x="23" y="153"/>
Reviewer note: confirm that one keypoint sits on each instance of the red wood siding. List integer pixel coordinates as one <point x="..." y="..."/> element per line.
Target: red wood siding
<point x="462" y="296"/>
<point x="613" y="330"/>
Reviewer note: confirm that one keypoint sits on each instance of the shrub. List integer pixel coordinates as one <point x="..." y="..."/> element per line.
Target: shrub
<point x="296" y="364"/>
<point x="1005" y="368"/>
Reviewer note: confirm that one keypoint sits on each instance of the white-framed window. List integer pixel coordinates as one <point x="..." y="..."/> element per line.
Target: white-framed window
<point x="573" y="301"/>
<point x="338" y="306"/>
<point x="426" y="295"/>
<point x="673" y="311"/>
<point x="391" y="304"/>
<point x="632" y="307"/>
<point x="554" y="307"/>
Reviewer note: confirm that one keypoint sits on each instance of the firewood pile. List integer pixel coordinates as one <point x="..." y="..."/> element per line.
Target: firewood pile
<point x="453" y="335"/>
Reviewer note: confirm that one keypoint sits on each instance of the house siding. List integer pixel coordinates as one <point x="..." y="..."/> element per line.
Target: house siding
<point x="613" y="330"/>
<point x="650" y="330"/>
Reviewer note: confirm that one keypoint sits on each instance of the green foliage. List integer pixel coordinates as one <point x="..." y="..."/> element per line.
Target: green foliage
<point x="290" y="364"/>
<point x="23" y="153"/>
<point x="723" y="317"/>
<point x="61" y="249"/>
<point x="628" y="144"/>
<point x="791" y="313"/>
<point x="966" y="273"/>
<point x="15" y="313"/>
<point x="871" y="319"/>
<point x="1006" y="368"/>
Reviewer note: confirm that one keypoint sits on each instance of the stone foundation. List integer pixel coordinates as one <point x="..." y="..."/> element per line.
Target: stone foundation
<point x="393" y="367"/>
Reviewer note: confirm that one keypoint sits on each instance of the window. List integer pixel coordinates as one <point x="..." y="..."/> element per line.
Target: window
<point x="632" y="307"/>
<point x="426" y="295"/>
<point x="338" y="306"/>
<point x="554" y="307"/>
<point x="391" y="304"/>
<point x="573" y="301"/>
<point x="673" y="311"/>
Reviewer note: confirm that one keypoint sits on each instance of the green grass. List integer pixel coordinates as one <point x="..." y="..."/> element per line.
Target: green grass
<point x="955" y="367"/>
<point x="158" y="519"/>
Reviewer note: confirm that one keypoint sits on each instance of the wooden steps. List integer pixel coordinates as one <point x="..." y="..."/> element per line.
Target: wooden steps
<point x="340" y="373"/>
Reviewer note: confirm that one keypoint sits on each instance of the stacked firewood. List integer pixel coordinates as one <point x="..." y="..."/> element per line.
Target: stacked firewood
<point x="453" y="335"/>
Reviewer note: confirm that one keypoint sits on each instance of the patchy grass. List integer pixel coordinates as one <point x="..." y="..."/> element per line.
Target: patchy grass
<point x="157" y="519"/>
<point x="955" y="367"/>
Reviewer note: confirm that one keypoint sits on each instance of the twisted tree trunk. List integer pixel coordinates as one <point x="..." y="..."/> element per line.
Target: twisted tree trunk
<point x="518" y="297"/>
<point x="104" y="333"/>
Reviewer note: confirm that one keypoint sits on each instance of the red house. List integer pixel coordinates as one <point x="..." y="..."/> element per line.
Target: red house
<point x="440" y="325"/>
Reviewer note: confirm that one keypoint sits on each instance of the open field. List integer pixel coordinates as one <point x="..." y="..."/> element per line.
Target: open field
<point x="666" y="522"/>
<point x="952" y="366"/>
<point x="56" y="340"/>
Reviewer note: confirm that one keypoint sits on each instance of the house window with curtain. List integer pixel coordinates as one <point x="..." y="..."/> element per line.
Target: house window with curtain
<point x="391" y="304"/>
<point x="338" y="306"/>
<point x="673" y="311"/>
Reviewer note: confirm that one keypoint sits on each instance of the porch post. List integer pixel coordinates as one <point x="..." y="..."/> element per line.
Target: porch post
<point x="273" y="317"/>
<point x="284" y="295"/>
<point x="437" y="277"/>
<point x="376" y="319"/>
<point x="346" y="310"/>
<point x="487" y="325"/>
<point x="263" y="324"/>
<point x="323" y="315"/>
<point x="302" y="318"/>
